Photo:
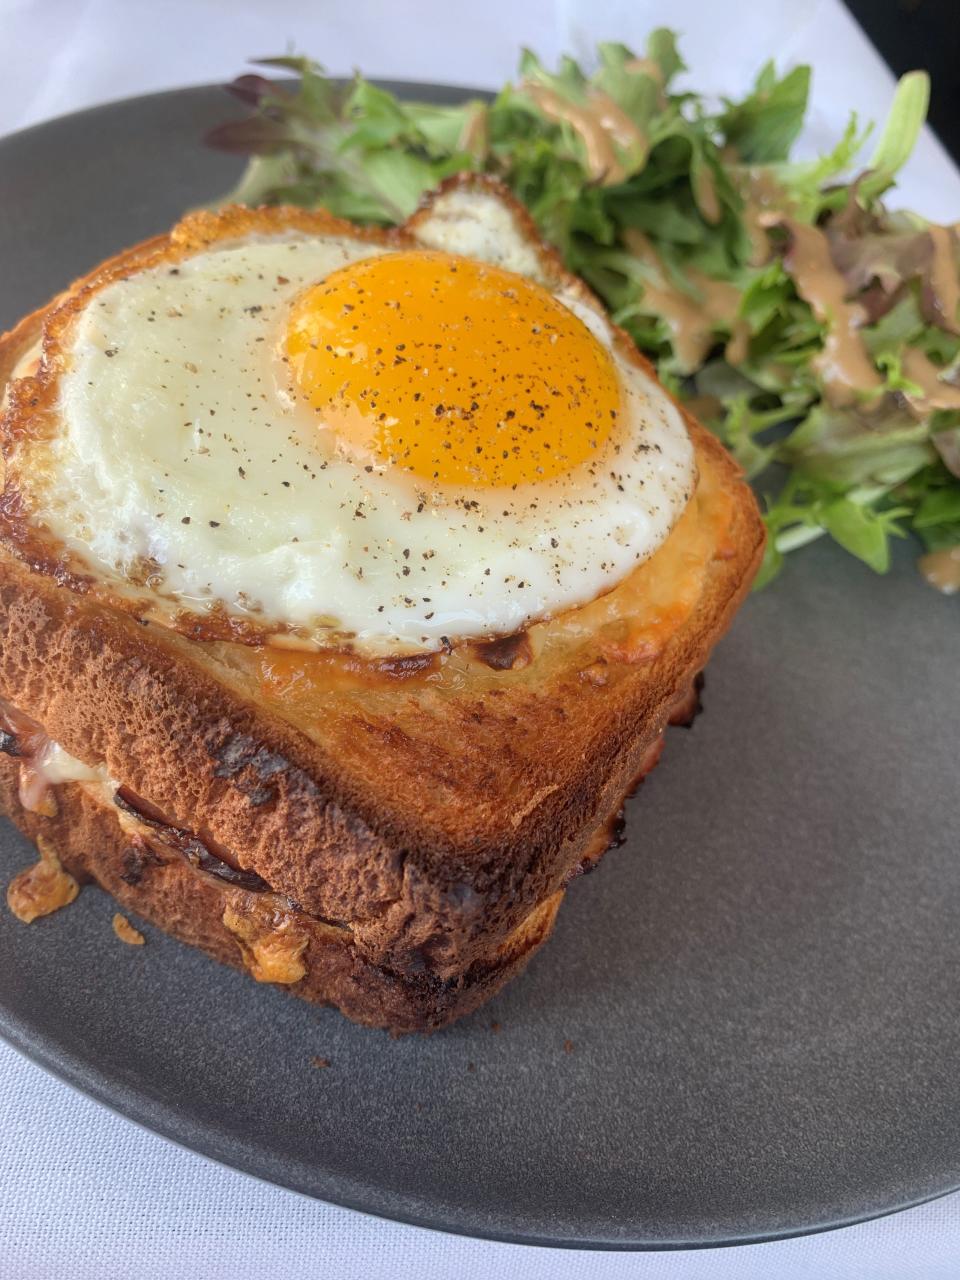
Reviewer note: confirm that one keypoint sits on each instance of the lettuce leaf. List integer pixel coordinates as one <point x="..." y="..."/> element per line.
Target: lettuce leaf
<point x="764" y="126"/>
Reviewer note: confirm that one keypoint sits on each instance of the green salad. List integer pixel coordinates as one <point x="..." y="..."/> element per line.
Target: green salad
<point x="813" y="329"/>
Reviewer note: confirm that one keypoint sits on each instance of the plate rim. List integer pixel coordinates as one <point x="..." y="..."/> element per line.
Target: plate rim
<point x="89" y="1079"/>
<point x="403" y="88"/>
<point x="92" y="1082"/>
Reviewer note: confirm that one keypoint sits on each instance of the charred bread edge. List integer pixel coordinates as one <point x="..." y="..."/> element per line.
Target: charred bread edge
<point x="190" y="905"/>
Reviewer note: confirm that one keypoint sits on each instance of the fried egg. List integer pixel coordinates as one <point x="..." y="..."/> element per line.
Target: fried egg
<point x="390" y="442"/>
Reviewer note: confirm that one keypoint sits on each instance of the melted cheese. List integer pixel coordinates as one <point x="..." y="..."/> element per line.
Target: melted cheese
<point x="271" y="941"/>
<point x="43" y="888"/>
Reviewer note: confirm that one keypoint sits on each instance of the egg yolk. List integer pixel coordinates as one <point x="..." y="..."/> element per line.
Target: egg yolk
<point x="455" y="370"/>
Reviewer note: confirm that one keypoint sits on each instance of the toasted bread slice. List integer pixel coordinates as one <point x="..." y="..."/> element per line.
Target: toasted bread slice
<point x="256" y="931"/>
<point x="430" y="811"/>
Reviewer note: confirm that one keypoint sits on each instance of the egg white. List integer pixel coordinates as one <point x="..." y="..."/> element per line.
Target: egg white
<point x="182" y="458"/>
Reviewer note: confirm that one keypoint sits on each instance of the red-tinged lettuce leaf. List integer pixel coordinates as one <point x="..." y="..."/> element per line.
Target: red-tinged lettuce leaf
<point x="315" y="98"/>
<point x="258" y="135"/>
<point x="251" y="89"/>
<point x="888" y="260"/>
<point x="878" y="265"/>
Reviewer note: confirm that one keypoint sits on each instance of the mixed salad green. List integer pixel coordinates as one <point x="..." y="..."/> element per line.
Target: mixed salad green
<point x="814" y="330"/>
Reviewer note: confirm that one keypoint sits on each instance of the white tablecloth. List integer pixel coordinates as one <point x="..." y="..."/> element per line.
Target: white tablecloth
<point x="84" y="1194"/>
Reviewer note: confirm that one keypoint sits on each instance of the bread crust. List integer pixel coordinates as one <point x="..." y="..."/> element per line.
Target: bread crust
<point x="432" y="822"/>
<point x="162" y="888"/>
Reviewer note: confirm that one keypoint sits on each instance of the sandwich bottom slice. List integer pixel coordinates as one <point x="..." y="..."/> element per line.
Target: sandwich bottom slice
<point x="87" y="829"/>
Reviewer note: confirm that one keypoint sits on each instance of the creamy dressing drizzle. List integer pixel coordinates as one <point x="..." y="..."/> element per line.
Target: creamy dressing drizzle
<point x="647" y="67"/>
<point x="599" y="123"/>
<point x="615" y="122"/>
<point x="944" y="278"/>
<point x="691" y="321"/>
<point x="762" y="196"/>
<point x="942" y="569"/>
<point x="705" y="194"/>
<point x="844" y="364"/>
<point x="603" y="164"/>
<point x="936" y="394"/>
<point x="474" y="136"/>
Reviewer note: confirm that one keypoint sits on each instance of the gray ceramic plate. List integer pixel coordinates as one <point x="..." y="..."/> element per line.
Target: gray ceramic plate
<point x="762" y="988"/>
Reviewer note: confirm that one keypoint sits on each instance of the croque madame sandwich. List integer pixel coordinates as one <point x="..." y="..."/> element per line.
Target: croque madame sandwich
<point x="348" y="582"/>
